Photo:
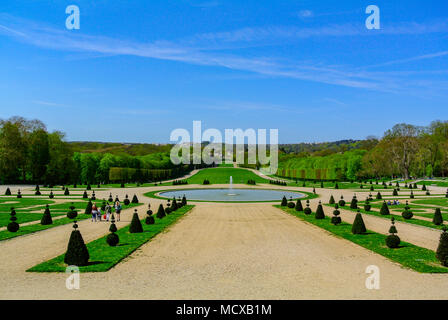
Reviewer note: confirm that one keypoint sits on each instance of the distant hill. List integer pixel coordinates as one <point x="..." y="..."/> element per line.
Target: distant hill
<point x="134" y="149"/>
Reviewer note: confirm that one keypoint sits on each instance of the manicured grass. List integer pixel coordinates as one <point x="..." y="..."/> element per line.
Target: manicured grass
<point x="442" y="202"/>
<point x="4" y="235"/>
<point x="225" y="165"/>
<point x="103" y="257"/>
<point x="408" y="255"/>
<point x="435" y="183"/>
<point x="22" y="217"/>
<point x="222" y="176"/>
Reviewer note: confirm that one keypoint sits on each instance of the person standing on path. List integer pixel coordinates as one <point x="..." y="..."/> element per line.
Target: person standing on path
<point x="94" y="212"/>
<point x="108" y="209"/>
<point x="118" y="209"/>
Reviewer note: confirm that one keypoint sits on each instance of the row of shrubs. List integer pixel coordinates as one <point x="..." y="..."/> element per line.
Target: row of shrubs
<point x="358" y="226"/>
<point x="179" y="182"/>
<point x="278" y="182"/>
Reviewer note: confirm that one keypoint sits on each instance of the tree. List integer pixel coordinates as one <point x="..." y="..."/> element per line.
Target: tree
<point x="7" y="192"/>
<point x="66" y="192"/>
<point x="336" y="219"/>
<point x="307" y="210"/>
<point x="379" y="196"/>
<point x="438" y="219"/>
<point x="331" y="201"/>
<point x="39" y="153"/>
<point x="13" y="226"/>
<point x="342" y="202"/>
<point x="184" y="201"/>
<point x="126" y="200"/>
<point x="46" y="218"/>
<point x="136" y="225"/>
<point x="149" y="219"/>
<point x="354" y="203"/>
<point x="174" y="204"/>
<point x="384" y="209"/>
<point x="161" y="212"/>
<point x="112" y="238"/>
<point x="135" y="199"/>
<point x="72" y="213"/>
<point x="407" y="213"/>
<point x="320" y="212"/>
<point x="13" y="152"/>
<point x="89" y="207"/>
<point x="284" y="202"/>
<point x="77" y="253"/>
<point x="442" y="249"/>
<point x="392" y="240"/>
<point x="358" y="226"/>
<point x="299" y="206"/>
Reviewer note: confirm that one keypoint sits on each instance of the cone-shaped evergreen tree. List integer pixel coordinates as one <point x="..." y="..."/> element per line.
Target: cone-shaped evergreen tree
<point x="392" y="240"/>
<point x="307" y="210"/>
<point x="415" y="185"/>
<point x="384" y="209"/>
<point x="354" y="203"/>
<point x="336" y="219"/>
<point x="322" y="184"/>
<point x="85" y="195"/>
<point x="397" y="184"/>
<point x="412" y="195"/>
<point x="46" y="218"/>
<point x="77" y="253"/>
<point x="136" y="225"/>
<point x="66" y="192"/>
<point x="372" y="188"/>
<point x="126" y="201"/>
<point x="134" y="199"/>
<point x="424" y="187"/>
<point x="112" y="238"/>
<point x="19" y="194"/>
<point x="438" y="219"/>
<point x="89" y="187"/>
<point x="284" y="202"/>
<point x="51" y="195"/>
<point x="331" y="200"/>
<point x="174" y="204"/>
<point x="37" y="193"/>
<point x="13" y="226"/>
<point x="407" y="213"/>
<point x="110" y="198"/>
<point x="93" y="196"/>
<point x="395" y="193"/>
<point x="299" y="206"/>
<point x="320" y="212"/>
<point x="7" y="192"/>
<point x="379" y="196"/>
<point x="442" y="249"/>
<point x="184" y="201"/>
<point x="89" y="207"/>
<point x="161" y="212"/>
<point x="358" y="226"/>
<point x="336" y="186"/>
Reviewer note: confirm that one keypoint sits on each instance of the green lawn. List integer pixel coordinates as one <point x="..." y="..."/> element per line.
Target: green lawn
<point x="103" y="257"/>
<point x="222" y="176"/>
<point x="408" y="255"/>
<point x="435" y="183"/>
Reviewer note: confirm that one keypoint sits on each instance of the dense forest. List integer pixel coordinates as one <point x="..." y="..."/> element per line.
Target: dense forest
<point x="31" y="154"/>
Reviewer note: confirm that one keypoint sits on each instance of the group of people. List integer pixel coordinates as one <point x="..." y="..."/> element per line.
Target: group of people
<point x="97" y="215"/>
<point x="394" y="203"/>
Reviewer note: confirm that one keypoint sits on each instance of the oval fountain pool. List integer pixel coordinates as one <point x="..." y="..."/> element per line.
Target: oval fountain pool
<point x="232" y="195"/>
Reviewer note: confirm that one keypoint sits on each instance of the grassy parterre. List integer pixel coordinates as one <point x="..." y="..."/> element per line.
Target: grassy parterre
<point x="103" y="257"/>
<point x="222" y="176"/>
<point x="408" y="255"/>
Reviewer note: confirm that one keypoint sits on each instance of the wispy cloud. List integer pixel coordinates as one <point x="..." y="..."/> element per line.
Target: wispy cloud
<point x="412" y="59"/>
<point x="305" y="13"/>
<point x="48" y="103"/>
<point x="203" y="49"/>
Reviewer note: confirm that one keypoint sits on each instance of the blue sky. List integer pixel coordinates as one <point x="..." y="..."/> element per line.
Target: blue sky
<point x="136" y="70"/>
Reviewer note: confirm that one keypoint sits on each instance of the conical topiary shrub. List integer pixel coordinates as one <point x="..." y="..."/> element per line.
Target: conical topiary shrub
<point x="442" y="249"/>
<point x="307" y="210"/>
<point x="89" y="187"/>
<point x="66" y="192"/>
<point x="284" y="202"/>
<point x="358" y="226"/>
<point x="93" y="197"/>
<point x="7" y="192"/>
<point x="428" y="193"/>
<point x="372" y="188"/>
<point x="184" y="201"/>
<point x="320" y="212"/>
<point x="438" y="219"/>
<point x="46" y="218"/>
<point x="384" y="209"/>
<point x="322" y="184"/>
<point x="77" y="253"/>
<point x="112" y="238"/>
<point x="412" y="195"/>
<point x="331" y="201"/>
<point x="395" y="193"/>
<point x="392" y="240"/>
<point x="336" y="219"/>
<point x="407" y="213"/>
<point x="89" y="207"/>
<point x="126" y="201"/>
<point x="37" y="193"/>
<point x="72" y="213"/>
<point x="136" y="225"/>
<point x="336" y="186"/>
<point x="314" y="190"/>
<point x="161" y="212"/>
<point x="13" y="226"/>
<point x="51" y="195"/>
<point x="367" y="205"/>
<point x="354" y="203"/>
<point x="299" y="206"/>
<point x="174" y="205"/>
<point x="110" y="198"/>
<point x="424" y="187"/>
<point x="19" y="194"/>
<point x="342" y="202"/>
<point x="379" y="196"/>
<point x="134" y="199"/>
<point x="85" y="195"/>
